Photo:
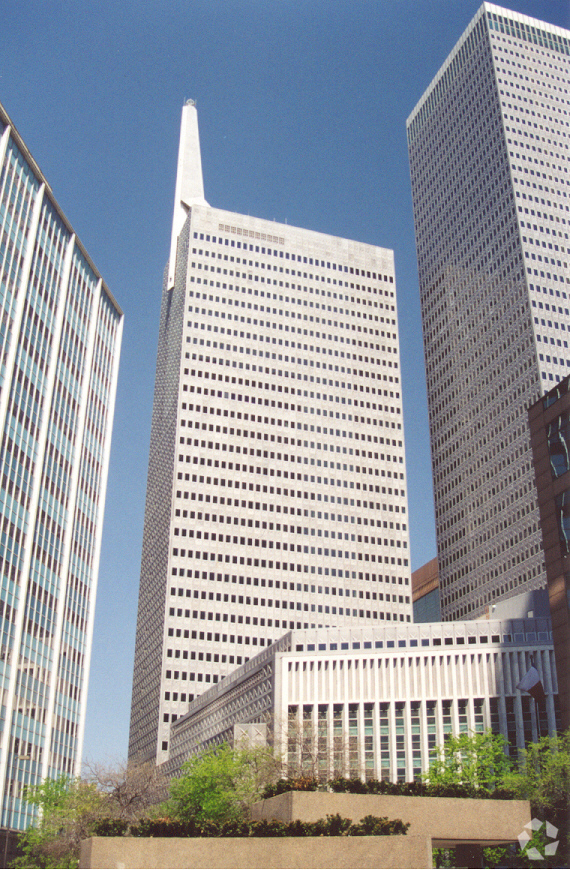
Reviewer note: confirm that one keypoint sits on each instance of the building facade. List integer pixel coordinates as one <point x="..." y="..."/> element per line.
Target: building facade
<point x="276" y="495"/>
<point x="549" y="422"/>
<point x="375" y="702"/>
<point x="489" y="150"/>
<point x="60" y="338"/>
<point x="425" y="592"/>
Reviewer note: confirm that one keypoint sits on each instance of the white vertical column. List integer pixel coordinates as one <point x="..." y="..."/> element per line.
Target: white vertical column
<point x="4" y="397"/>
<point x="425" y="697"/>
<point x="439" y="706"/>
<point x="99" y="532"/>
<point x="359" y="725"/>
<point x="484" y="669"/>
<point x="500" y="690"/>
<point x="4" y="145"/>
<point x="548" y="674"/>
<point x="392" y="721"/>
<point x="375" y="688"/>
<point x="407" y="696"/>
<point x="20" y="300"/>
<point x="518" y="669"/>
<point x="69" y="526"/>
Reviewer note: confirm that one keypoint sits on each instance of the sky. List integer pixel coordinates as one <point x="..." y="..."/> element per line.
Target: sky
<point x="302" y="108"/>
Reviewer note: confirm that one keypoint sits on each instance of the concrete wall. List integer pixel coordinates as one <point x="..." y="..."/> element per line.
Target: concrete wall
<point x="445" y="820"/>
<point x="275" y="852"/>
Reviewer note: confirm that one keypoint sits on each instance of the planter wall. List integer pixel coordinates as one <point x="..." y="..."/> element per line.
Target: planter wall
<point x="445" y="820"/>
<point x="262" y="852"/>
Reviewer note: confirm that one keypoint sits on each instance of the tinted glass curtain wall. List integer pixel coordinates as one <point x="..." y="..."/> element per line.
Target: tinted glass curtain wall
<point x="60" y="332"/>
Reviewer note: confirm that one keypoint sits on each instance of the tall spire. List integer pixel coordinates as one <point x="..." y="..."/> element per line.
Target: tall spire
<point x="189" y="183"/>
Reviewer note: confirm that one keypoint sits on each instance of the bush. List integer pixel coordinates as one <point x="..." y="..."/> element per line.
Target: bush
<point x="292" y="783"/>
<point x="109" y="828"/>
<point x="163" y="828"/>
<point x="415" y="789"/>
<point x="268" y="828"/>
<point x="373" y="826"/>
<point x="332" y="826"/>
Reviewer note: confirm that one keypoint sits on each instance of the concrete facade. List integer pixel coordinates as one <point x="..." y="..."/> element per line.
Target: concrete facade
<point x="59" y="345"/>
<point x="276" y="494"/>
<point x="488" y="155"/>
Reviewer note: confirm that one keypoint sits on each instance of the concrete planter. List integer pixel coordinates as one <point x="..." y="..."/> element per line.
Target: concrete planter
<point x="464" y="823"/>
<point x="447" y="821"/>
<point x="255" y="852"/>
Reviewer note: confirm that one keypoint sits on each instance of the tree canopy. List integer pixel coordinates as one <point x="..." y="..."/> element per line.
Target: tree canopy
<point x="477" y="760"/>
<point x="539" y="774"/>
<point x="223" y="783"/>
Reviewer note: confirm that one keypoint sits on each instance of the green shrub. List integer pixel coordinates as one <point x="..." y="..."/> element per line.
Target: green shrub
<point x="268" y="828"/>
<point x="109" y="828"/>
<point x="332" y="826"/>
<point x="374" y="826"/>
<point x="292" y="783"/>
<point x="163" y="828"/>
<point x="415" y="789"/>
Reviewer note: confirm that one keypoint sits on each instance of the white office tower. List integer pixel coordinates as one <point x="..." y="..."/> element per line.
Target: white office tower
<point x="60" y="336"/>
<point x="276" y="495"/>
<point x="489" y="147"/>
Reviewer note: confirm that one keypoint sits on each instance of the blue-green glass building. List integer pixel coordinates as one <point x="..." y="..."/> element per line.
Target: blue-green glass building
<point x="60" y="333"/>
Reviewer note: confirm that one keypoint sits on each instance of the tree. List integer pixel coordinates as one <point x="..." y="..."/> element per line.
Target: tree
<point x="222" y="783"/>
<point x="476" y="759"/>
<point x="69" y="809"/>
<point x="314" y="751"/>
<point x="543" y="778"/>
<point x="541" y="775"/>
<point x="131" y="788"/>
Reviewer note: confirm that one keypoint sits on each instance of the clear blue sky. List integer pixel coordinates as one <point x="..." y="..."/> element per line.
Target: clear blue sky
<point x="302" y="108"/>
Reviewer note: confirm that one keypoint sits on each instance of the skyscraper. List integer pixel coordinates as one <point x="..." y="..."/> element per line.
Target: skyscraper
<point x="489" y="147"/>
<point x="60" y="337"/>
<point x="276" y="493"/>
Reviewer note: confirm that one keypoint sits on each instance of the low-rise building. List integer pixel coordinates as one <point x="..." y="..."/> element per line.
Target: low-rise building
<point x="376" y="701"/>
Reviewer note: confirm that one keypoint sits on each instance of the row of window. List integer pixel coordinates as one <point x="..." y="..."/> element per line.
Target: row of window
<point x="298" y="361"/>
<point x="305" y="303"/>
<point x="230" y="448"/>
<point x="264" y="543"/>
<point x="282" y="343"/>
<point x="264" y="488"/>
<point x="292" y="475"/>
<point x="282" y="584"/>
<point x="203" y="595"/>
<point x="278" y="325"/>
<point x="285" y="439"/>
<point x="336" y="518"/>
<point x="299" y="258"/>
<point x="366" y="373"/>
<point x="234" y="559"/>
